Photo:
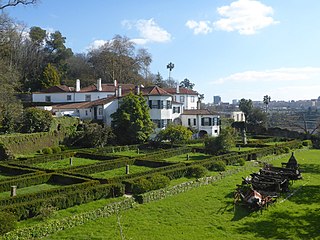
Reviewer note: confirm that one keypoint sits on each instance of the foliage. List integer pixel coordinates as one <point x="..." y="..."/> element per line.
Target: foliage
<point x="174" y="134"/>
<point x="36" y="120"/>
<point x="159" y="181"/>
<point x="187" y="84"/>
<point x="46" y="211"/>
<point x="197" y="171"/>
<point x="246" y="107"/>
<point x="156" y="181"/>
<point x="50" y="77"/>
<point x="47" y="150"/>
<point x="8" y="222"/>
<point x="257" y="117"/>
<point x="13" y="3"/>
<point x="218" y="166"/>
<point x="56" y="149"/>
<point x="131" y="123"/>
<point x="221" y="144"/>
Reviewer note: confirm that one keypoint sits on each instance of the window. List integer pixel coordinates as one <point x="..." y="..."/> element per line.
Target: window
<point x="206" y="121"/>
<point x="182" y="99"/>
<point x="169" y="105"/>
<point x="189" y="121"/>
<point x="68" y="97"/>
<point x="192" y="98"/>
<point x="194" y="121"/>
<point x="88" y="98"/>
<point x="176" y="109"/>
<point x="215" y="121"/>
<point x="161" y="106"/>
<point x="161" y="123"/>
<point x="100" y="111"/>
<point x="86" y="112"/>
<point x="48" y="98"/>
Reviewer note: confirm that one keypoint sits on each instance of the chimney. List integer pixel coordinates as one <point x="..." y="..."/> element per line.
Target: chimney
<point x="178" y="88"/>
<point x="119" y="91"/>
<point x="115" y="83"/>
<point x="99" y="85"/>
<point x="78" y="85"/>
<point x="137" y="90"/>
<point x="199" y="104"/>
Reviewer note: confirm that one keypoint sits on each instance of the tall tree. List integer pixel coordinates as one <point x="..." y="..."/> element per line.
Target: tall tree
<point x="131" y="123"/>
<point x="50" y="77"/>
<point x="187" y="84"/>
<point x="221" y="144"/>
<point x="266" y="101"/>
<point x="36" y="120"/>
<point x="246" y="107"/>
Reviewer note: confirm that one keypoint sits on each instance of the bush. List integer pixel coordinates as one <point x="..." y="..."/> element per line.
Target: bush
<point x="218" y="166"/>
<point x="56" y="149"/>
<point x="46" y="211"/>
<point x="47" y="150"/>
<point x="241" y="161"/>
<point x="141" y="185"/>
<point x="287" y="150"/>
<point x="306" y="143"/>
<point x="197" y="171"/>
<point x="159" y="181"/>
<point x="8" y="222"/>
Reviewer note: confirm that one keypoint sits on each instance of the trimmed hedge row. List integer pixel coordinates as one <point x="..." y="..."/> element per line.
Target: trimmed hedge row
<point x="29" y="143"/>
<point x="13" y="171"/>
<point x="31" y="209"/>
<point x="183" y="187"/>
<point x="159" y="155"/>
<point x="40" y="178"/>
<point x="47" y="193"/>
<point x="54" y="225"/>
<point x="44" y="158"/>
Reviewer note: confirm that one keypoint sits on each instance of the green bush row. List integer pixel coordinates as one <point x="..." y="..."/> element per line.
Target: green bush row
<point x="167" y="153"/>
<point x="14" y="170"/>
<point x="54" y="225"/>
<point x="46" y="194"/>
<point x="32" y="142"/>
<point x="62" y="201"/>
<point x="44" y="158"/>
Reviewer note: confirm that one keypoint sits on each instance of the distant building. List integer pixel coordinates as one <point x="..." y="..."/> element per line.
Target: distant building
<point x="216" y="100"/>
<point x="235" y="101"/>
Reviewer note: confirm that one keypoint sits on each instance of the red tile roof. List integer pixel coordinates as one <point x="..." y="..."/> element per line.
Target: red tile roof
<point x="181" y="91"/>
<point x="78" y="105"/>
<point x="58" y="89"/>
<point x="154" y="91"/>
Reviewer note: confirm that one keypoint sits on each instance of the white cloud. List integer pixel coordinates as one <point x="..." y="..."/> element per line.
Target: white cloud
<point x="96" y="44"/>
<point x="273" y="75"/>
<point x="245" y="16"/>
<point x="149" y="31"/>
<point x="201" y="27"/>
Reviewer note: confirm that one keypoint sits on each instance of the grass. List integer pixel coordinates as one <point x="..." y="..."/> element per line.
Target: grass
<point x="192" y="157"/>
<point x="120" y="171"/>
<point x="242" y="149"/>
<point x="130" y="153"/>
<point x="28" y="190"/>
<point x="208" y="213"/>
<point x="65" y="163"/>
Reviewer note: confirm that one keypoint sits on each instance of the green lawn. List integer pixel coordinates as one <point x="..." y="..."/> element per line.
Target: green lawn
<point x="28" y="190"/>
<point x="208" y="213"/>
<point x="192" y="157"/>
<point x="120" y="171"/>
<point x="65" y="163"/>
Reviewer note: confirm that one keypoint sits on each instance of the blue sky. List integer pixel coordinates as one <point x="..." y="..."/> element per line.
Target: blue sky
<point x="232" y="48"/>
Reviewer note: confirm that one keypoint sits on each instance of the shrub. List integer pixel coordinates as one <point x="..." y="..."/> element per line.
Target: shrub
<point x="241" y="161"/>
<point x="159" y="181"/>
<point x="197" y="171"/>
<point x="286" y="149"/>
<point x="141" y="185"/>
<point x="306" y="143"/>
<point x="56" y="149"/>
<point x="46" y="211"/>
<point x="218" y="166"/>
<point x="8" y="222"/>
<point x="47" y="150"/>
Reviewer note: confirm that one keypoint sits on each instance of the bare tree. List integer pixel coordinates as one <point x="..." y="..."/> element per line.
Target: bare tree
<point x="13" y="3"/>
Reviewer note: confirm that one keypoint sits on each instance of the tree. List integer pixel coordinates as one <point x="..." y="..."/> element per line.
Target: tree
<point x="131" y="122"/>
<point x="187" y="84"/>
<point x="257" y="117"/>
<point x="50" y="77"/>
<point x="266" y="101"/>
<point x="221" y="144"/>
<point x="95" y="135"/>
<point x="246" y="107"/>
<point x="36" y="120"/>
<point x="13" y="3"/>
<point x="174" y="133"/>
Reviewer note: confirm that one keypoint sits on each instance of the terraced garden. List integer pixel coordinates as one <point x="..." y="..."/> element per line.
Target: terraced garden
<point x="97" y="180"/>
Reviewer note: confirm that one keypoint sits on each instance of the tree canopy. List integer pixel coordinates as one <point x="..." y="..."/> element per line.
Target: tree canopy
<point x="174" y="134"/>
<point x="36" y="120"/>
<point x="131" y="122"/>
<point x="221" y="144"/>
<point x="187" y="84"/>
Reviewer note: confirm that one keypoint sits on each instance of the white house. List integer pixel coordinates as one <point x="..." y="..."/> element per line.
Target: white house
<point x="99" y="101"/>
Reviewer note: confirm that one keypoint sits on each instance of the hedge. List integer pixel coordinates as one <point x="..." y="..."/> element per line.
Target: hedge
<point x="54" y="225"/>
<point x="13" y="170"/>
<point x="31" y="209"/>
<point x="32" y="142"/>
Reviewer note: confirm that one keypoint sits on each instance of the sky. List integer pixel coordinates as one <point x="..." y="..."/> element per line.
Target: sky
<point x="231" y="48"/>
